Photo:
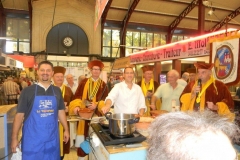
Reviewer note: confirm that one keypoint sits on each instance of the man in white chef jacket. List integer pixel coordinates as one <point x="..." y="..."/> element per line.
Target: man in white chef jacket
<point x="126" y="96"/>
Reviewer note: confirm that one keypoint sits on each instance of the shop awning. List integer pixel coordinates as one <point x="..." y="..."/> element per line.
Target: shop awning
<point x="28" y="61"/>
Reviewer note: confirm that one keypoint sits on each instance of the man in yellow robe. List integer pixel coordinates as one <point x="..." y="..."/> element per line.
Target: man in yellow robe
<point x="94" y="91"/>
<point x="58" y="79"/>
<point x="210" y="94"/>
<point x="149" y="86"/>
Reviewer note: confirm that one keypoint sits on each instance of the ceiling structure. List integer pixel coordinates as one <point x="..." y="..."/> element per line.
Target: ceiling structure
<point x="171" y="16"/>
<point x="182" y="14"/>
<point x="160" y="13"/>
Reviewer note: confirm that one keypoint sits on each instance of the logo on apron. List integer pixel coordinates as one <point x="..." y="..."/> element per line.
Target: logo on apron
<point x="45" y="108"/>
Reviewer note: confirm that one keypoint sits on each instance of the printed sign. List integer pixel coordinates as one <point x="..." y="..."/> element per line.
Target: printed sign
<point x="225" y="59"/>
<point x="194" y="47"/>
<point x="178" y="51"/>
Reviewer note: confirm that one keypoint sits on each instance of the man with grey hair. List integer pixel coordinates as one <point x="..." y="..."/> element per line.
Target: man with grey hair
<point x="70" y="83"/>
<point x="169" y="92"/>
<point x="207" y="93"/>
<point x="193" y="136"/>
<point x="184" y="80"/>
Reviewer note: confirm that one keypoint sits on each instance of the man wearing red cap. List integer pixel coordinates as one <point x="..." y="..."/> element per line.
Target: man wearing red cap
<point x="207" y="93"/>
<point x="58" y="79"/>
<point x="149" y="86"/>
<point x="92" y="90"/>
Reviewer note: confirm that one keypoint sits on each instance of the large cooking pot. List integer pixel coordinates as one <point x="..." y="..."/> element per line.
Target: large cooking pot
<point x="121" y="125"/>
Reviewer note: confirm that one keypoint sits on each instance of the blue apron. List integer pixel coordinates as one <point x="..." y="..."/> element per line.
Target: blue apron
<point x="40" y="139"/>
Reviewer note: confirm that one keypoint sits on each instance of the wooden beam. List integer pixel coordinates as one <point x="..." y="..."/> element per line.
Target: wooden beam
<point x="124" y="27"/>
<point x="201" y="18"/>
<point x="103" y="20"/>
<point x="225" y="20"/>
<point x="176" y="22"/>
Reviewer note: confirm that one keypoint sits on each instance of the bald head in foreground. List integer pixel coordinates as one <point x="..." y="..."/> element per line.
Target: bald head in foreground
<point x="193" y="136"/>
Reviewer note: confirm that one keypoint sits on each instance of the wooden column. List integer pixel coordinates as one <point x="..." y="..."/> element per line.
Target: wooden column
<point x="176" y="64"/>
<point x="201" y="18"/>
<point x="157" y="71"/>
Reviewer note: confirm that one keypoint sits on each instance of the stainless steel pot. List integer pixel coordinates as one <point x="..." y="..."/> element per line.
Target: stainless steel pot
<point x="121" y="125"/>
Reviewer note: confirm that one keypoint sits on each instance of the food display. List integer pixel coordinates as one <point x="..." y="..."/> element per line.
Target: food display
<point x="145" y="122"/>
<point x="85" y="113"/>
<point x="156" y="113"/>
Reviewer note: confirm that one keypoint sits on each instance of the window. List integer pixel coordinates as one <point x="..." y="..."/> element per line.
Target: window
<point x="18" y="32"/>
<point x="176" y="38"/>
<point x="137" y="41"/>
<point x="111" y="41"/>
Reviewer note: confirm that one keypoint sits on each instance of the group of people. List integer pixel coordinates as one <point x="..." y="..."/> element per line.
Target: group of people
<point x="42" y="104"/>
<point x="11" y="88"/>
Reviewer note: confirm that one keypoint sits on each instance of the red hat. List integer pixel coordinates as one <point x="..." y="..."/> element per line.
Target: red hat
<point x="191" y="70"/>
<point x="59" y="69"/>
<point x="95" y="63"/>
<point x="147" y="68"/>
<point x="203" y="65"/>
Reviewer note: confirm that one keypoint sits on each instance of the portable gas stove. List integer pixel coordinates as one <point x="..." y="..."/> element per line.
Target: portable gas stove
<point x="108" y="139"/>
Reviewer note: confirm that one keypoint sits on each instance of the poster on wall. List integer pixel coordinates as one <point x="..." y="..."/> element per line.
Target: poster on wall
<point x="225" y="56"/>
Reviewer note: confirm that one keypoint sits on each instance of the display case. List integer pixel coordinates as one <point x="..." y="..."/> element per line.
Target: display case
<point x="7" y="113"/>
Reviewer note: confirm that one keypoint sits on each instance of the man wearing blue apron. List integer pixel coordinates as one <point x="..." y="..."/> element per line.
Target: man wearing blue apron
<point x="39" y="108"/>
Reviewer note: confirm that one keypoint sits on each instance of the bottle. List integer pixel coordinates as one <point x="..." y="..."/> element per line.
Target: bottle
<point x="173" y="105"/>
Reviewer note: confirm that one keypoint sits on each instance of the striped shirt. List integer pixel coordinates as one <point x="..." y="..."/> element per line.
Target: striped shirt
<point x="10" y="89"/>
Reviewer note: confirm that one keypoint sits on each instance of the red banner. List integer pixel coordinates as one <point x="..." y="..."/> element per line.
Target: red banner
<point x="28" y="61"/>
<point x="194" y="47"/>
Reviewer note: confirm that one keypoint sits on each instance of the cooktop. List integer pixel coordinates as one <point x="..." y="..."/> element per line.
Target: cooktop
<point x="107" y="139"/>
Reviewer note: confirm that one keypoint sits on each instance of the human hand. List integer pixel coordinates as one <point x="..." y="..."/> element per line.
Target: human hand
<point x="152" y="106"/>
<point x="212" y="106"/>
<point x="92" y="106"/>
<point x="76" y="110"/>
<point x="14" y="145"/>
<point x="66" y="136"/>
<point x="149" y="94"/>
<point x="196" y="89"/>
<point x="105" y="109"/>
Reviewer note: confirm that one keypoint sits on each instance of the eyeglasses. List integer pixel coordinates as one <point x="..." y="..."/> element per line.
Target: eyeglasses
<point x="129" y="73"/>
<point x="94" y="69"/>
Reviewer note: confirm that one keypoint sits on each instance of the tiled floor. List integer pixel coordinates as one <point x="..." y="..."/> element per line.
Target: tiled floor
<point x="72" y="155"/>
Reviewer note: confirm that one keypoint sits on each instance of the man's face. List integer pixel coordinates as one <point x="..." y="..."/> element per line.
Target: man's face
<point x="128" y="74"/>
<point x="204" y="74"/>
<point x="58" y="78"/>
<point x="45" y="73"/>
<point x="148" y="75"/>
<point x="95" y="71"/>
<point x="121" y="78"/>
<point x="70" y="79"/>
<point x="171" y="78"/>
<point x="192" y="76"/>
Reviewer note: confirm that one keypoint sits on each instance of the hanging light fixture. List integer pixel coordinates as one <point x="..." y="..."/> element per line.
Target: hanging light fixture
<point x="206" y="3"/>
<point x="210" y="12"/>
